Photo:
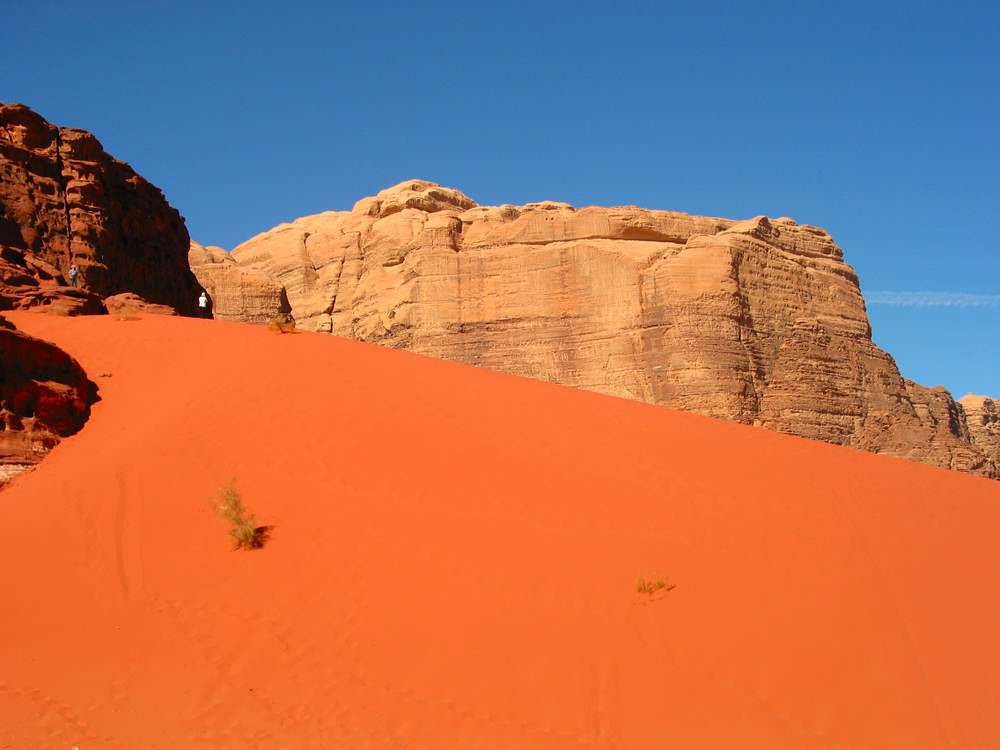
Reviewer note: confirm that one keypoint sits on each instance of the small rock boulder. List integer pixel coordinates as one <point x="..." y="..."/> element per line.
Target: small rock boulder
<point x="129" y="303"/>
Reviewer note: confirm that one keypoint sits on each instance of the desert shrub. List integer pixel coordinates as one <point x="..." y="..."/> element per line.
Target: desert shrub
<point x="245" y="532"/>
<point x="281" y="325"/>
<point x="651" y="585"/>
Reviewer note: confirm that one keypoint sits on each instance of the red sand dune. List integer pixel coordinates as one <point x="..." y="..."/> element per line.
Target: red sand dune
<point x="454" y="565"/>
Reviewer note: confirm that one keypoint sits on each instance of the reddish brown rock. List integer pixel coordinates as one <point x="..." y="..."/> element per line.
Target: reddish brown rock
<point x="44" y="396"/>
<point x="759" y="321"/>
<point x="56" y="300"/>
<point x="63" y="200"/>
<point x="28" y="282"/>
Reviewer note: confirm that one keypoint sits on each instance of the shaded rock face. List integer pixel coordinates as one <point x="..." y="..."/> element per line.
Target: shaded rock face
<point x="44" y="396"/>
<point x="237" y="293"/>
<point x="757" y="321"/>
<point x="63" y="200"/>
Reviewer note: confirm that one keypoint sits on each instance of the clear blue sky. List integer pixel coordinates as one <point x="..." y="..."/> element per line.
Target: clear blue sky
<point x="877" y="121"/>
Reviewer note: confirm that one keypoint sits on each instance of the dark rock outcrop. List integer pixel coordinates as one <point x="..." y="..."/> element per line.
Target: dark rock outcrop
<point x="44" y="395"/>
<point x="63" y="200"/>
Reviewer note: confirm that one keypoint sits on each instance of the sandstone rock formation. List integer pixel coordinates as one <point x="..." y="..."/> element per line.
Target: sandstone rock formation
<point x="983" y="418"/>
<point x="127" y="303"/>
<point x="64" y="200"/>
<point x="759" y="321"/>
<point x="44" y="395"/>
<point x="237" y="293"/>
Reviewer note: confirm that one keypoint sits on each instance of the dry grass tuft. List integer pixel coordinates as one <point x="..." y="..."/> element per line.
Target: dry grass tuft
<point x="281" y="325"/>
<point x="651" y="585"/>
<point x="245" y="532"/>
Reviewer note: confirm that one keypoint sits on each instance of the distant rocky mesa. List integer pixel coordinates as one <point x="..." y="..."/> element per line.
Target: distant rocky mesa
<point x="757" y="321"/>
<point x="63" y="200"/>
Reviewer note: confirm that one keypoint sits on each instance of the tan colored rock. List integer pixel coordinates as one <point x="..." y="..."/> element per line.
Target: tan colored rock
<point x="418" y="194"/>
<point x="983" y="419"/>
<point x="237" y="293"/>
<point x="759" y="321"/>
<point x="127" y="303"/>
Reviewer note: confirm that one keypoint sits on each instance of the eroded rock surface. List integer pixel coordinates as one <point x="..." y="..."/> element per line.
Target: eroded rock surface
<point x="759" y="321"/>
<point x="127" y="303"/>
<point x="63" y="200"/>
<point x="44" y="396"/>
<point x="983" y="419"/>
<point x="237" y="293"/>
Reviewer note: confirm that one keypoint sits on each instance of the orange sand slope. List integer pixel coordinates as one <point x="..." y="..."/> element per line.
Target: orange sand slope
<point x="454" y="565"/>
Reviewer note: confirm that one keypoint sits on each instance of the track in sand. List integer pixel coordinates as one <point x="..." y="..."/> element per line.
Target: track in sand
<point x="454" y="563"/>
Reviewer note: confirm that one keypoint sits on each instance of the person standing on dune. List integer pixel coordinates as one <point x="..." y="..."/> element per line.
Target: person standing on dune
<point x="203" y="305"/>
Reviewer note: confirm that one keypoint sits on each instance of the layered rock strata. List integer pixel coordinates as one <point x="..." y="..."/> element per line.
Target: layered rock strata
<point x="983" y="419"/>
<point x="758" y="321"/>
<point x="237" y="293"/>
<point x="44" y="396"/>
<point x="64" y="201"/>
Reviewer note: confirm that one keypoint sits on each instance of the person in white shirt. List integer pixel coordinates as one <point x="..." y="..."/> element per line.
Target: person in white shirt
<point x="203" y="306"/>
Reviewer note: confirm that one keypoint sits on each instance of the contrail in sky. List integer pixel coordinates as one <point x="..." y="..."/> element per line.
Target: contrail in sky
<point x="933" y="299"/>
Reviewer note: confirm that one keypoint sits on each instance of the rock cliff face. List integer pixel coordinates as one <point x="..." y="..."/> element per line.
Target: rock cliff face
<point x="983" y="418"/>
<point x="758" y="321"/>
<point x="237" y="293"/>
<point x="63" y="200"/>
<point x="44" y="396"/>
